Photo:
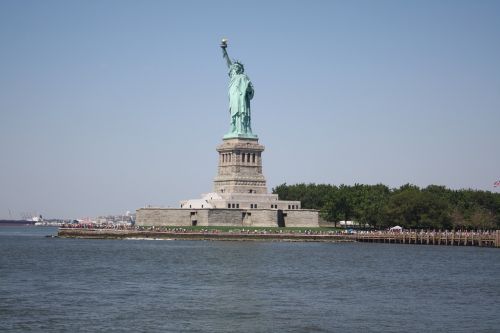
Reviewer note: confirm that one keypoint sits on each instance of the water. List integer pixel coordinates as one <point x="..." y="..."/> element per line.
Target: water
<point x="56" y="285"/>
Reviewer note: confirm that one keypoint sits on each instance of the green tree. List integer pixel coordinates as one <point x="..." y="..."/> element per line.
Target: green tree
<point x="370" y="207"/>
<point x="412" y="208"/>
<point x="409" y="206"/>
<point x="340" y="205"/>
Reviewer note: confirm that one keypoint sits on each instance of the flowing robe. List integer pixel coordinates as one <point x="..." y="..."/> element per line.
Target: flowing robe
<point x="240" y="93"/>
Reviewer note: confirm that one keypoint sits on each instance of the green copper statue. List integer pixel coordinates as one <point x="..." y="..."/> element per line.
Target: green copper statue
<point x="240" y="93"/>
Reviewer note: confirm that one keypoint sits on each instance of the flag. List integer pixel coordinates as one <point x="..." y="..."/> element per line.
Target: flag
<point x="496" y="184"/>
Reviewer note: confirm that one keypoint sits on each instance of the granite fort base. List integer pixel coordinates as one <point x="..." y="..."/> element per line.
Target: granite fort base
<point x="227" y="217"/>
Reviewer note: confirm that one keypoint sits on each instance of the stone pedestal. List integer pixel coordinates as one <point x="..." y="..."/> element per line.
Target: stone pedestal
<point x="240" y="167"/>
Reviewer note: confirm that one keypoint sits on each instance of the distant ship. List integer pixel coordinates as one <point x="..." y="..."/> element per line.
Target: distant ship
<point x="27" y="221"/>
<point x="16" y="222"/>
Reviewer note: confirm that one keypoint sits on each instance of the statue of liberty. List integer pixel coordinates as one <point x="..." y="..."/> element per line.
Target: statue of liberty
<point x="240" y="93"/>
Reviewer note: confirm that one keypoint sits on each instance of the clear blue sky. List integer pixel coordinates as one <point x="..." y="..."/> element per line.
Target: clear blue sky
<point x="106" y="106"/>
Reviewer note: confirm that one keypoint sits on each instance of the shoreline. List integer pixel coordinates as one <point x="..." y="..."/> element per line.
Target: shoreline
<point x="487" y="239"/>
<point x="210" y="236"/>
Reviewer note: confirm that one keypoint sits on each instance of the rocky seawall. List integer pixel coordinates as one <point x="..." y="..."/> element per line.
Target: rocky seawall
<point x="210" y="235"/>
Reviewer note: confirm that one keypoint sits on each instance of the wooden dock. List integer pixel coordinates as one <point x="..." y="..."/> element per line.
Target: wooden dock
<point x="456" y="238"/>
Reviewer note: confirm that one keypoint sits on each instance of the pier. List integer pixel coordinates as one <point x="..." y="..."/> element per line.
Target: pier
<point x="450" y="238"/>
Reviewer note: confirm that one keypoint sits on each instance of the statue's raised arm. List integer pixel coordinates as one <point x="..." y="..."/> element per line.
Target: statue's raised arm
<point x="223" y="46"/>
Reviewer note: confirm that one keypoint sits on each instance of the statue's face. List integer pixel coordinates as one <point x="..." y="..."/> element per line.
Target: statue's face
<point x="236" y="69"/>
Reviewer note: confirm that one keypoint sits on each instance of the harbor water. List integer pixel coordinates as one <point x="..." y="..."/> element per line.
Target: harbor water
<point x="57" y="285"/>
